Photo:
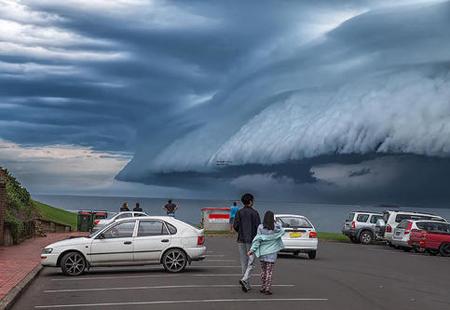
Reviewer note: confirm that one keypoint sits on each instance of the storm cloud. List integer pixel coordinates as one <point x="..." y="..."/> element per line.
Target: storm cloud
<point x="305" y="98"/>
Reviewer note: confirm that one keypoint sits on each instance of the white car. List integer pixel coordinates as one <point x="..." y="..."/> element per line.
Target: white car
<point x="300" y="237"/>
<point x="130" y="241"/>
<point x="392" y="218"/>
<point x="402" y="232"/>
<point x="100" y="223"/>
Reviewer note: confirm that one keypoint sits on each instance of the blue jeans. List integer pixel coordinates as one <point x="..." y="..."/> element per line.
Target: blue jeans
<point x="247" y="262"/>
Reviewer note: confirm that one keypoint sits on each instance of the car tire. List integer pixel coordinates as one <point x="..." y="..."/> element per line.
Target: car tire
<point x="73" y="264"/>
<point x="433" y="252"/>
<point x="366" y="237"/>
<point x="312" y="254"/>
<point x="174" y="260"/>
<point x="444" y="249"/>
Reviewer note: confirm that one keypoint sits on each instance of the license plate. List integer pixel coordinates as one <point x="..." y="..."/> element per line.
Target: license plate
<point x="295" y="235"/>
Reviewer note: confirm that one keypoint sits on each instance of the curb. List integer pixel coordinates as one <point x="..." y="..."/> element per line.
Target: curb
<point x="8" y="301"/>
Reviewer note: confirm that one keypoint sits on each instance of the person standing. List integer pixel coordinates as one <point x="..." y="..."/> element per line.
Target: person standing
<point x="233" y="210"/>
<point x="266" y="246"/>
<point x="170" y="208"/>
<point x="137" y="208"/>
<point x="246" y="225"/>
<point x="124" y="207"/>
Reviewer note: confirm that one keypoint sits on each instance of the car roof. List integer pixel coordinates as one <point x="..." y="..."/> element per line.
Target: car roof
<point x="411" y="212"/>
<point x="148" y="217"/>
<point x="428" y="221"/>
<point x="292" y="215"/>
<point x="371" y="212"/>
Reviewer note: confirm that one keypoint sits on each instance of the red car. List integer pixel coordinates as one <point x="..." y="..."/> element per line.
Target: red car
<point x="432" y="236"/>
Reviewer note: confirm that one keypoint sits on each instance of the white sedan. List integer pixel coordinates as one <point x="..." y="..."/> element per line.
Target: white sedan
<point x="131" y="241"/>
<point x="100" y="223"/>
<point x="300" y="237"/>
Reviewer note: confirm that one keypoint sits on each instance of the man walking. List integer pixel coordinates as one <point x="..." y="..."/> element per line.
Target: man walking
<point x="246" y="225"/>
<point x="170" y="208"/>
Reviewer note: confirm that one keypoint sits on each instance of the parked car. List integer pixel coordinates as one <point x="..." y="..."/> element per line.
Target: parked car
<point x="300" y="237"/>
<point x="130" y="241"/>
<point x="359" y="226"/>
<point x="100" y="223"/>
<point x="385" y="227"/>
<point x="402" y="232"/>
<point x="432" y="236"/>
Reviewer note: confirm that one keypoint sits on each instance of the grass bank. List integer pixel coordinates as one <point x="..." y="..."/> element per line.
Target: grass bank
<point x="56" y="215"/>
<point x="329" y="236"/>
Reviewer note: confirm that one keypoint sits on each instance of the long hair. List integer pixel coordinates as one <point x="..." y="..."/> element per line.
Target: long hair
<point x="269" y="220"/>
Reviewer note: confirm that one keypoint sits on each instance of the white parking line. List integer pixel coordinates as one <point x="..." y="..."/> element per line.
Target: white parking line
<point x="159" y="287"/>
<point x="162" y="302"/>
<point x="217" y="255"/>
<point x="184" y="275"/>
<point x="220" y="260"/>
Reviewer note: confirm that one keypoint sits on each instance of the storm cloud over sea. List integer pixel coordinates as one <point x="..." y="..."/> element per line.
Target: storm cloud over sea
<point x="318" y="101"/>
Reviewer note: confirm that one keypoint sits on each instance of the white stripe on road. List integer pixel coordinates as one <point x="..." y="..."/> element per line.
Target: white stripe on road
<point x="220" y="260"/>
<point x="159" y="287"/>
<point x="162" y="302"/>
<point x="184" y="275"/>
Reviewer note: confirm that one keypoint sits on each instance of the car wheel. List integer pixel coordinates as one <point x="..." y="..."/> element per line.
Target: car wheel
<point x="73" y="264"/>
<point x="433" y="252"/>
<point x="445" y="249"/>
<point x="312" y="254"/>
<point x="366" y="237"/>
<point x="174" y="260"/>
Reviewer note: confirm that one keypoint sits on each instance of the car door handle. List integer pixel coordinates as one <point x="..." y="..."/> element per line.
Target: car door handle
<point x="127" y="242"/>
<point x="165" y="240"/>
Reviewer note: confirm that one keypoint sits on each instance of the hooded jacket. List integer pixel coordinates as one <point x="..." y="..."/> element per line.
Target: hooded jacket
<point x="264" y="244"/>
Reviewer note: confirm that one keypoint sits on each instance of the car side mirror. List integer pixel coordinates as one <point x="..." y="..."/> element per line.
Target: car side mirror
<point x="381" y="223"/>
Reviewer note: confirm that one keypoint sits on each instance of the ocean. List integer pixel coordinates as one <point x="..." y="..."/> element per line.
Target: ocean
<point x="325" y="217"/>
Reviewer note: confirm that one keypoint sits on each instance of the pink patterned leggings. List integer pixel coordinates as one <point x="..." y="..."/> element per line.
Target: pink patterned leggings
<point x="266" y="275"/>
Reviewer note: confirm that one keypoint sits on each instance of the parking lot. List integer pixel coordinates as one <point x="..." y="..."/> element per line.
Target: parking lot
<point x="344" y="276"/>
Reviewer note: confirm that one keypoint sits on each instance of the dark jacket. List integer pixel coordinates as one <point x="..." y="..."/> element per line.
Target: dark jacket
<point x="246" y="224"/>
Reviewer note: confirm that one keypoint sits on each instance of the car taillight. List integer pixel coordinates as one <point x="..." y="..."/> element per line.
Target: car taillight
<point x="312" y="234"/>
<point x="388" y="228"/>
<point x="200" y="240"/>
<point x="353" y="225"/>
<point x="96" y="222"/>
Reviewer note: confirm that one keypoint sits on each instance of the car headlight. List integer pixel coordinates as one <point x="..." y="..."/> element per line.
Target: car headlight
<point x="47" y="251"/>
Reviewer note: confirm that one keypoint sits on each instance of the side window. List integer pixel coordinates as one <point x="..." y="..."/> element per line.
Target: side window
<point x="375" y="218"/>
<point x="172" y="229"/>
<point x="124" y="215"/>
<point x="151" y="228"/>
<point x="350" y="217"/>
<point x="401" y="217"/>
<point x="122" y="230"/>
<point x="362" y="218"/>
<point x="139" y="214"/>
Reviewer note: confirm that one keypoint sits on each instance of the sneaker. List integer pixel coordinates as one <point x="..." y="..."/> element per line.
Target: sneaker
<point x="268" y="292"/>
<point x="244" y="285"/>
<point x="262" y="291"/>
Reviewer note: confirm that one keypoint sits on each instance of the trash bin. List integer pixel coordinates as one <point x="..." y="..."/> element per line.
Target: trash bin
<point x="216" y="219"/>
<point x="100" y="215"/>
<point x="84" y="221"/>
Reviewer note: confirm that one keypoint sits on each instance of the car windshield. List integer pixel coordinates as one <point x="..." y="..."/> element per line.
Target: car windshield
<point x="294" y="222"/>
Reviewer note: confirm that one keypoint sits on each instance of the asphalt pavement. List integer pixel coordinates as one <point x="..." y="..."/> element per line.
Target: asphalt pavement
<point x="343" y="276"/>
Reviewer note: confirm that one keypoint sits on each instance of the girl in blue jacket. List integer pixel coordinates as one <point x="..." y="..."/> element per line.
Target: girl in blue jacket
<point x="266" y="246"/>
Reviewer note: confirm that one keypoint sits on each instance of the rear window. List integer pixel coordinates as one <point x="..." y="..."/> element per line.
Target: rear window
<point x="403" y="224"/>
<point x="350" y="217"/>
<point x="362" y="218"/>
<point x="294" y="222"/>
